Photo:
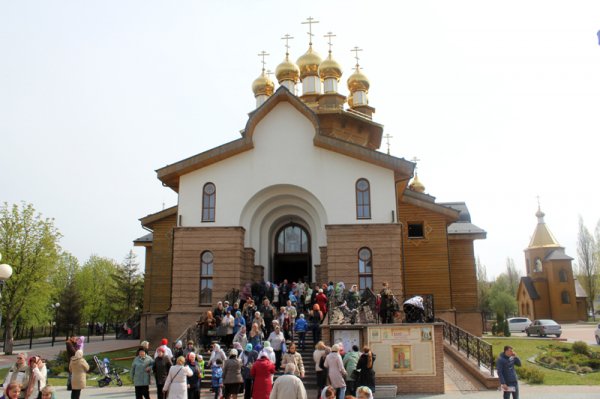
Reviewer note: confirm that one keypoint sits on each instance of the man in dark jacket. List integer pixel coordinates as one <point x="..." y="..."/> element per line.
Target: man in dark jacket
<point x="506" y="372"/>
<point x="161" y="367"/>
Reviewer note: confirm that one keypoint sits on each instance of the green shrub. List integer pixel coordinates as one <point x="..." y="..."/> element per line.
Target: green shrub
<point x="593" y="364"/>
<point x="585" y="370"/>
<point x="506" y="330"/>
<point x="573" y="367"/>
<point x="535" y="376"/>
<point x="581" y="348"/>
<point x="494" y="329"/>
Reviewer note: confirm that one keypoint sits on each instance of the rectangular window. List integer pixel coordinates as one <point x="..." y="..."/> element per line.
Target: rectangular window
<point x="415" y="230"/>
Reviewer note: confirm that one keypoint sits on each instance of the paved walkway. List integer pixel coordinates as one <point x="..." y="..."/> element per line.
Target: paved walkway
<point x="96" y="345"/>
<point x="527" y="391"/>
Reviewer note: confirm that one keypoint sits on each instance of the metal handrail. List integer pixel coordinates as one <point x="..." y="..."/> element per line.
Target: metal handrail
<point x="474" y="347"/>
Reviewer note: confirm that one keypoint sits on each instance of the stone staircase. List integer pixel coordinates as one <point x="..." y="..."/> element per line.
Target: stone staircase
<point x="310" y="375"/>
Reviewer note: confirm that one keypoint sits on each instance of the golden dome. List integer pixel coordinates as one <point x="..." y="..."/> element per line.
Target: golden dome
<point x="263" y="86"/>
<point x="287" y="70"/>
<point x="309" y="63"/>
<point x="358" y="81"/>
<point x="330" y="69"/>
<point x="416" y="185"/>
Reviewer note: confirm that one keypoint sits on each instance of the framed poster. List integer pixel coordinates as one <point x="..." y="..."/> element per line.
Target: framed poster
<point x="347" y="338"/>
<point x="401" y="358"/>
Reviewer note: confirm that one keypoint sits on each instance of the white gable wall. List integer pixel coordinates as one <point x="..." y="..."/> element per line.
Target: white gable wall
<point x="284" y="154"/>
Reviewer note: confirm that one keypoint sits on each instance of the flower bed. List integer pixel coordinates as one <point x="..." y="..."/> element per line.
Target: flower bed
<point x="576" y="359"/>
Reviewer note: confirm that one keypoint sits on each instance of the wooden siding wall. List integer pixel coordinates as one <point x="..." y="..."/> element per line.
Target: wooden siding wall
<point x="463" y="275"/>
<point x="427" y="259"/>
<point x="561" y="312"/>
<point x="157" y="285"/>
<point x="343" y="244"/>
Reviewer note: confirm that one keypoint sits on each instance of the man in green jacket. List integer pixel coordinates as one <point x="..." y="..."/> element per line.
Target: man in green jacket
<point x="140" y="374"/>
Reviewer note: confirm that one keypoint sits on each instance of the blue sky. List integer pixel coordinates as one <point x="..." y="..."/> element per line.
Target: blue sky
<point x="498" y="100"/>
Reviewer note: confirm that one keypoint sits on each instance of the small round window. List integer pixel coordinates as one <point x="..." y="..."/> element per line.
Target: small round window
<point x="207" y="257"/>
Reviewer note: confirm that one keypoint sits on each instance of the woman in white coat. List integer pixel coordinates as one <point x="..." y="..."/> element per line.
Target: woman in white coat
<point x="176" y="382"/>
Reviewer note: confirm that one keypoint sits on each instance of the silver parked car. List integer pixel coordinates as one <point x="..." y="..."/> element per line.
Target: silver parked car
<point x="544" y="327"/>
<point x="518" y="324"/>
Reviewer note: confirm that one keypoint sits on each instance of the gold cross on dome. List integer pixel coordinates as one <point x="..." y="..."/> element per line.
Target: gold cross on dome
<point x="310" y="21"/>
<point x="388" y="137"/>
<point x="329" y="35"/>
<point x="356" y="50"/>
<point x="263" y="54"/>
<point x="287" y="38"/>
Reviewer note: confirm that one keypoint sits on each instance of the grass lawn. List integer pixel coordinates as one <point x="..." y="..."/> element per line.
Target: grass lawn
<point x="93" y="376"/>
<point x="527" y="348"/>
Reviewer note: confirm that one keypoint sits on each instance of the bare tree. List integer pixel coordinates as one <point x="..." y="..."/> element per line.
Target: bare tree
<point x="587" y="263"/>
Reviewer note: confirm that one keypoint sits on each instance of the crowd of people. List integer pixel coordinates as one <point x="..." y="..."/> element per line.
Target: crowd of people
<point x="256" y="336"/>
<point x="248" y="340"/>
<point x="28" y="377"/>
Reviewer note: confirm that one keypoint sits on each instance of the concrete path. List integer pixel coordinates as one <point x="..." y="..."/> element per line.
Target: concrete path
<point x="527" y="391"/>
<point x="96" y="345"/>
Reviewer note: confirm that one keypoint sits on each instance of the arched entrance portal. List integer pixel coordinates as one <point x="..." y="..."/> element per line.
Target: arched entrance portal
<point x="291" y="259"/>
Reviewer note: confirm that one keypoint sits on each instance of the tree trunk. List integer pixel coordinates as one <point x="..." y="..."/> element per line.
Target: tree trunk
<point x="8" y="342"/>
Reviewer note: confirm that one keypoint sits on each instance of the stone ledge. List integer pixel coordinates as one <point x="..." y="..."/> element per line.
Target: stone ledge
<point x="488" y="381"/>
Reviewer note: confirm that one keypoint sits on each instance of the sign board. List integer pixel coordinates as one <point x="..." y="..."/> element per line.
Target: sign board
<point x="403" y="350"/>
<point x="347" y="338"/>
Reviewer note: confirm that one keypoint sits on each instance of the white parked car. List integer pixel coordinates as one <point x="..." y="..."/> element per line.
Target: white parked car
<point x="597" y="334"/>
<point x="518" y="324"/>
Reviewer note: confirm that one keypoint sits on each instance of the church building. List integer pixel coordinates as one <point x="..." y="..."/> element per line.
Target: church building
<point x="304" y="193"/>
<point x="549" y="290"/>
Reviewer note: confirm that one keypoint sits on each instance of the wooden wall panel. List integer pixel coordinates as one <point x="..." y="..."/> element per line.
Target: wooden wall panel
<point x="463" y="275"/>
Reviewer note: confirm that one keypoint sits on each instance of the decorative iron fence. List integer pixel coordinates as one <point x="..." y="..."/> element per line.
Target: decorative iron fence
<point x="474" y="347"/>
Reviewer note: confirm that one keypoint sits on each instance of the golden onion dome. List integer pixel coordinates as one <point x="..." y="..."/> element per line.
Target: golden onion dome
<point x="263" y="86"/>
<point x="358" y="81"/>
<point x="309" y="63"/>
<point x="287" y="70"/>
<point x="330" y="68"/>
<point x="416" y="185"/>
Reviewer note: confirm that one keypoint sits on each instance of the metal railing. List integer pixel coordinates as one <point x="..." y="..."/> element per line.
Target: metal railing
<point x="474" y="347"/>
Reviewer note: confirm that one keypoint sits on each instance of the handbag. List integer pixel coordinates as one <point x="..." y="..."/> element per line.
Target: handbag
<point x="355" y="375"/>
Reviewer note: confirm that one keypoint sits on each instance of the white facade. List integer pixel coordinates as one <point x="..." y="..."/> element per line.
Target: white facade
<point x="285" y="177"/>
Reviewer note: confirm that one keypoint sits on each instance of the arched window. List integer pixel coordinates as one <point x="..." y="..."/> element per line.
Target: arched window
<point x="562" y="276"/>
<point x="206" y="278"/>
<point x="365" y="269"/>
<point x="565" y="297"/>
<point x="363" y="199"/>
<point x="209" y="194"/>
<point x="537" y="267"/>
<point x="292" y="239"/>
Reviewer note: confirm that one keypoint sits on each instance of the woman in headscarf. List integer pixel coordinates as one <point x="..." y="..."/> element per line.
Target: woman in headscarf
<point x="78" y="368"/>
<point x="327" y="393"/>
<point x="217" y="353"/>
<point x="255" y="337"/>
<point x="38" y="378"/>
<point x="238" y="322"/>
<point x="241" y="337"/>
<point x="232" y="376"/>
<point x="364" y="393"/>
<point x="48" y="392"/>
<point x="249" y="356"/>
<point x="176" y="383"/>
<point x="262" y="372"/>
<point x="366" y="376"/>
<point x="315" y="317"/>
<point x="319" y="358"/>
<point x="335" y="371"/>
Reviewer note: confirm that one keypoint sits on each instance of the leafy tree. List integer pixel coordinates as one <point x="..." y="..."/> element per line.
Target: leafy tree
<point x="587" y="262"/>
<point x="129" y="287"/>
<point x="98" y="289"/>
<point x="483" y="287"/>
<point x="502" y="301"/>
<point x="29" y="243"/>
<point x="69" y="311"/>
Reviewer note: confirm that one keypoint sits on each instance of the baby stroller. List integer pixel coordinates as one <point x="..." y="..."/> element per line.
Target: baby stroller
<point x="107" y="373"/>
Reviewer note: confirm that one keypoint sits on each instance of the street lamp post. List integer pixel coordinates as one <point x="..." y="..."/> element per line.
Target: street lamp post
<point x="55" y="306"/>
<point x="5" y="273"/>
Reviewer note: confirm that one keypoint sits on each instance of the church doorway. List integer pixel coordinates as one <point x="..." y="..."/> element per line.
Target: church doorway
<point x="292" y="259"/>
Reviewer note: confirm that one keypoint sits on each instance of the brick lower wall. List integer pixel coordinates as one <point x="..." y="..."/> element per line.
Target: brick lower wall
<point x="344" y="243"/>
